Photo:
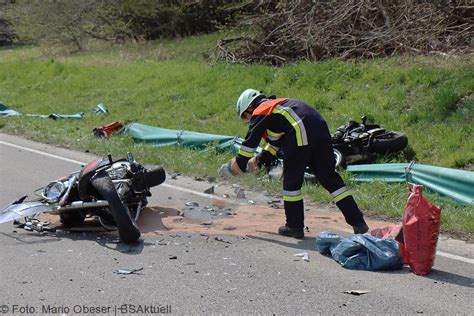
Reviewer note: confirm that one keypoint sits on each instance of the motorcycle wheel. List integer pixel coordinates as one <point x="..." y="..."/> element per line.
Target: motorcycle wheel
<point x="127" y="227"/>
<point x="71" y="218"/>
<point x="390" y="142"/>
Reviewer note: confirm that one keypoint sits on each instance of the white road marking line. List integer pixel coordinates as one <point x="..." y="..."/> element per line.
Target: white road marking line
<point x="455" y="257"/>
<point x="174" y="187"/>
<point x="43" y="153"/>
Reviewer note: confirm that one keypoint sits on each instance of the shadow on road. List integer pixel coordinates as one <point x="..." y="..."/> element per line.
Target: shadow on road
<point x="448" y="277"/>
<point x="308" y="243"/>
<point x="105" y="239"/>
<point x="31" y="238"/>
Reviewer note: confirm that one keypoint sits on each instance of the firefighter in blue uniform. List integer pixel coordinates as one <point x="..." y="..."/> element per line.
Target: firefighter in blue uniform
<point x="301" y="133"/>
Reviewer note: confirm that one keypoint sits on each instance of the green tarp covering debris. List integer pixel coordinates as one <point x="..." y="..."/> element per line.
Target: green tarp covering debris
<point x="159" y="137"/>
<point x="453" y="183"/>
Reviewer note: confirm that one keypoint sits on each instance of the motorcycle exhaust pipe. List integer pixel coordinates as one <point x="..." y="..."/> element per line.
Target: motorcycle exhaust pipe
<point x="80" y="205"/>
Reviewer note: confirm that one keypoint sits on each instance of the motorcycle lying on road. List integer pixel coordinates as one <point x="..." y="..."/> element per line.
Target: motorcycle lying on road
<point x="353" y="142"/>
<point x="113" y="191"/>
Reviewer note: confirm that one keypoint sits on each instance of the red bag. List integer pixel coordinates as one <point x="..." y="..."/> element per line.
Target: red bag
<point x="421" y="222"/>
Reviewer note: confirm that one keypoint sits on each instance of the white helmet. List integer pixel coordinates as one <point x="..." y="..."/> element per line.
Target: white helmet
<point x="245" y="99"/>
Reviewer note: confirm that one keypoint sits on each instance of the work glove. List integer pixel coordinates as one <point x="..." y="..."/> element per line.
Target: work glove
<point x="230" y="169"/>
<point x="253" y="165"/>
<point x="225" y="171"/>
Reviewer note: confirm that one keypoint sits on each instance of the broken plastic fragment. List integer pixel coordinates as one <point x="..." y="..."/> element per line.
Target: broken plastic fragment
<point x="191" y="204"/>
<point x="222" y="240"/>
<point x="304" y="255"/>
<point x="357" y="292"/>
<point x="128" y="271"/>
<point x="209" y="190"/>
<point x="100" y="108"/>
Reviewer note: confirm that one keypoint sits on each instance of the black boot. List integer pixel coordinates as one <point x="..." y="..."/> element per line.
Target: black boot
<point x="291" y="232"/>
<point x="361" y="228"/>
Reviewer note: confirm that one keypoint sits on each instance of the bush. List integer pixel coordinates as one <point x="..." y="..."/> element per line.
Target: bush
<point x="6" y="33"/>
<point x="73" y="22"/>
<point x="281" y="31"/>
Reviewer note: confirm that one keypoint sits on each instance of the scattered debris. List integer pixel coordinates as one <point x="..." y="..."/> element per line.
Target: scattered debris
<point x="229" y="211"/>
<point x="128" y="271"/>
<point x="174" y="175"/>
<point x="206" y="223"/>
<point x="240" y="193"/>
<point x="273" y="201"/>
<point x="225" y="196"/>
<point x="196" y="178"/>
<point x="229" y="228"/>
<point x="251" y="202"/>
<point x="357" y="292"/>
<point x="105" y="131"/>
<point x="276" y="206"/>
<point x="192" y="204"/>
<point x="173" y="257"/>
<point x="210" y="190"/>
<point x="36" y="225"/>
<point x="307" y="229"/>
<point x="100" y="108"/>
<point x="304" y="255"/>
<point x="211" y="179"/>
<point x="222" y="240"/>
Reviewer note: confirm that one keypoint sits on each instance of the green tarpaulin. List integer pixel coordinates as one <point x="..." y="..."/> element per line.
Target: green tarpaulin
<point x="159" y="137"/>
<point x="6" y="111"/>
<point x="453" y="183"/>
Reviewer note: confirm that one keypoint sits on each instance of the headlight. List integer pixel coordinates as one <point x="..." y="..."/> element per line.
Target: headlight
<point x="53" y="191"/>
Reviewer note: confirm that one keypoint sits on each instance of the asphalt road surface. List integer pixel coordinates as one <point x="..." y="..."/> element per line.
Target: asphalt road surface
<point x="73" y="272"/>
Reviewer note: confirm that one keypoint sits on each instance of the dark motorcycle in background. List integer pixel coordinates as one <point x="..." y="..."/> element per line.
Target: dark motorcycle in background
<point x="358" y="142"/>
<point x="353" y="142"/>
<point x="115" y="192"/>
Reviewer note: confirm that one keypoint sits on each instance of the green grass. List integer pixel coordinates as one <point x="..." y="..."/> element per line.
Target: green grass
<point x="173" y="84"/>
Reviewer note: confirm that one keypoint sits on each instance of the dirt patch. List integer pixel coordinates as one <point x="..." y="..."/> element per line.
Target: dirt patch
<point x="247" y="220"/>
